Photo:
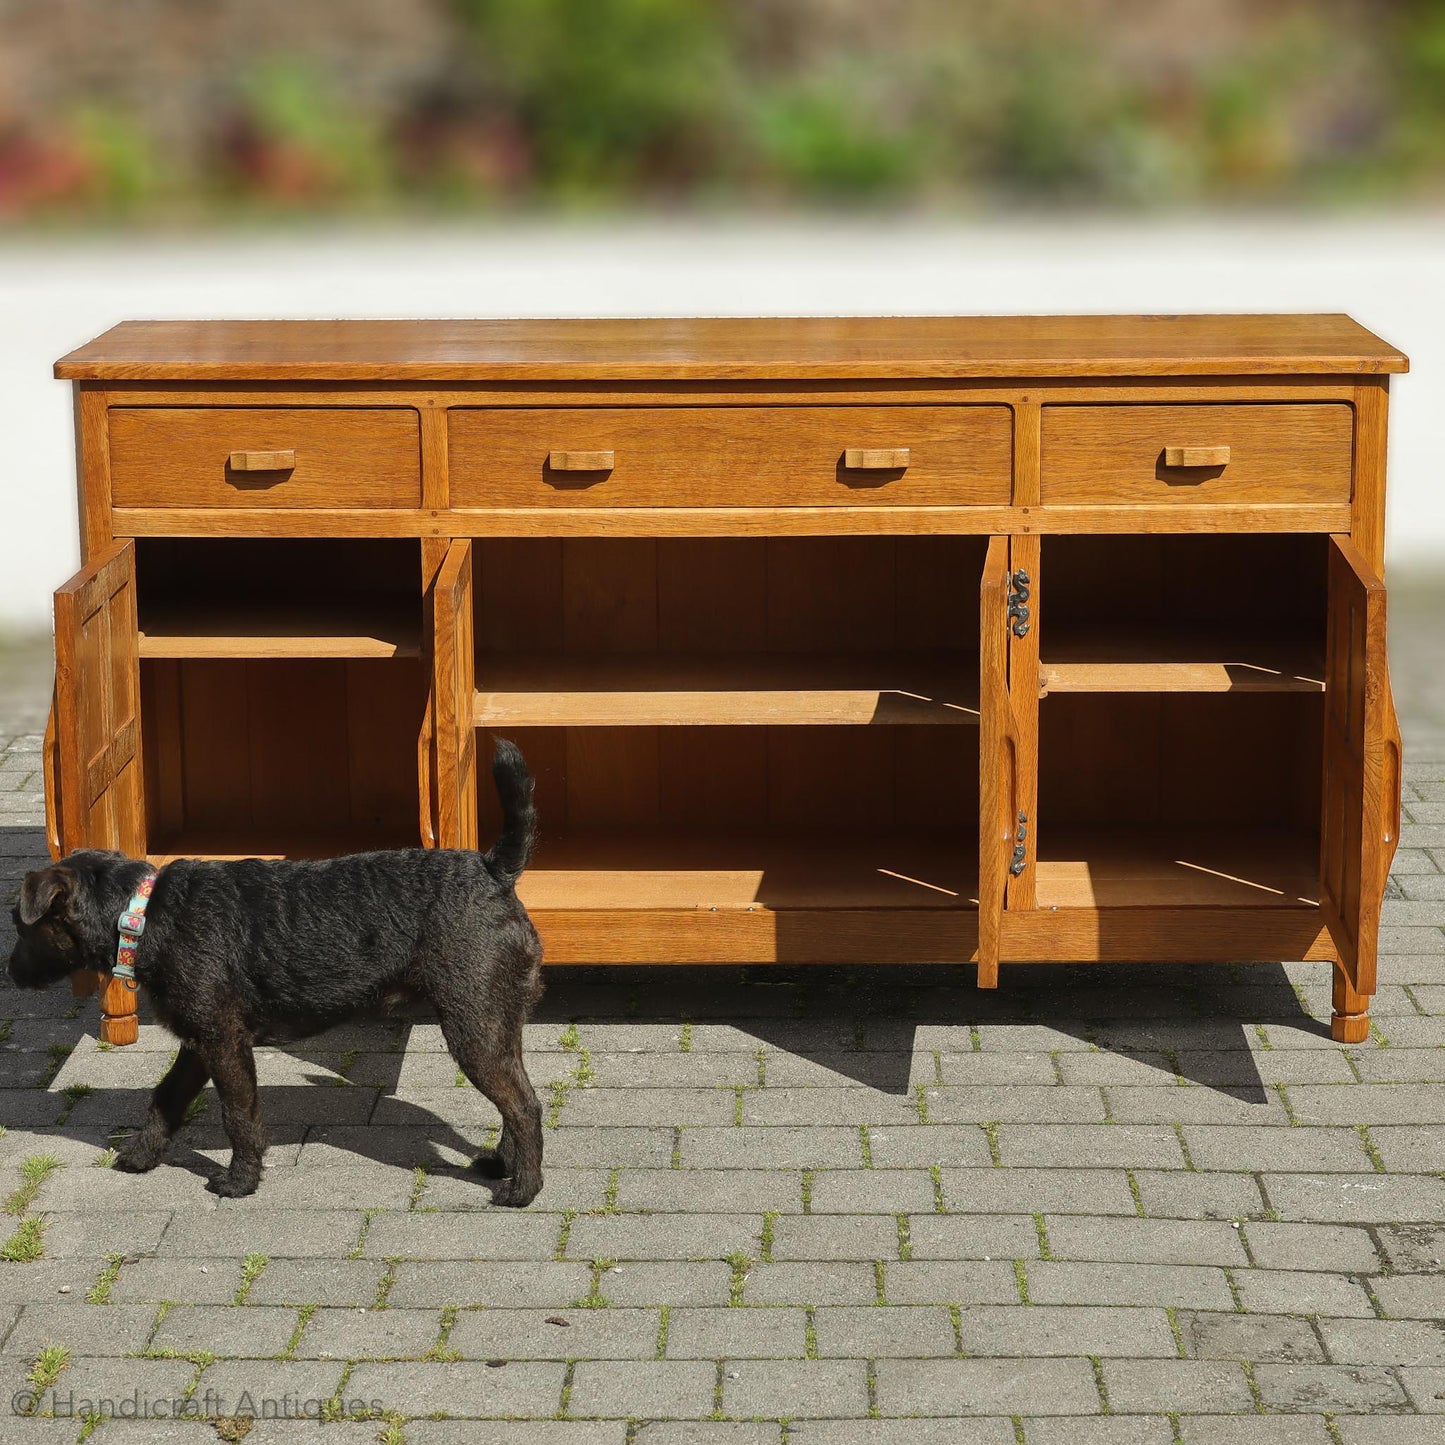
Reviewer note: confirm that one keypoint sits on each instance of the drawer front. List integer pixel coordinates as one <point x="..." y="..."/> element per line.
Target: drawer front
<point x="731" y="456"/>
<point x="264" y="457"/>
<point x="1298" y="453"/>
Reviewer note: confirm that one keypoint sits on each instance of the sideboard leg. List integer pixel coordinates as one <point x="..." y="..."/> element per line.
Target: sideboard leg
<point x="1351" y="1021"/>
<point x="118" y="1022"/>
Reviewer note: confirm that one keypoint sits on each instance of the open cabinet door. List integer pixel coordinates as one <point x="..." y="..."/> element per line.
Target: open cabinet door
<point x="1360" y="822"/>
<point x="997" y="760"/>
<point x="453" y="683"/>
<point x="95" y="783"/>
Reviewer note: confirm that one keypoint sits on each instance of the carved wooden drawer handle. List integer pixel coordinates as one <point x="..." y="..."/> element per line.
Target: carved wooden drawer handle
<point x="1196" y="456"/>
<point x="580" y="461"/>
<point x="876" y="459"/>
<point x="263" y="461"/>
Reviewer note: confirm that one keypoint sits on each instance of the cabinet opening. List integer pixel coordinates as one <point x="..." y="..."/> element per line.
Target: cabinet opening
<point x="278" y="597"/>
<point x="720" y="631"/>
<point x="732" y="819"/>
<point x="1172" y="800"/>
<point x="280" y="757"/>
<point x="1228" y="613"/>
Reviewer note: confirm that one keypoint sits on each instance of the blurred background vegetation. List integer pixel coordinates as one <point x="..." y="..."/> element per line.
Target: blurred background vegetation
<point x="199" y="110"/>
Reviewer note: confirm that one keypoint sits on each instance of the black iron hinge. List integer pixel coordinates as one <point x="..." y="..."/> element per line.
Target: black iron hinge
<point x="1018" y="597"/>
<point x="1020" y="857"/>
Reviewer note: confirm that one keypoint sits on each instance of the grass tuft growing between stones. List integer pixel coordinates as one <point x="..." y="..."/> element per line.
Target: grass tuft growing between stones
<point x="99" y="1292"/>
<point x="73" y="1094"/>
<point x="34" y="1171"/>
<point x="26" y="1244"/>
<point x="740" y="1264"/>
<point x="251" y="1268"/>
<point x="46" y="1369"/>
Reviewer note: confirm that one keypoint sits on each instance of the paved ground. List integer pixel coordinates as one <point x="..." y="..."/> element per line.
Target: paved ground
<point x="1113" y="1205"/>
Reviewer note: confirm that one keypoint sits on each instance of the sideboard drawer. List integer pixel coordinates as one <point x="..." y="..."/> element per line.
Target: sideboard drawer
<point x="265" y="457"/>
<point x="1294" y="453"/>
<point x="804" y="456"/>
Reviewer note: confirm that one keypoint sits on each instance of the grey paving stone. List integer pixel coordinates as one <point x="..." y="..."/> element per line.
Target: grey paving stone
<point x="870" y="1332"/>
<point x="1217" y="1336"/>
<point x="1186" y="1386"/>
<point x="93" y="1383"/>
<point x="1411" y="1296"/>
<point x="1027" y="1191"/>
<point x="1236" y="1068"/>
<point x="705" y="1282"/>
<point x="1144" y="1241"/>
<point x="1024" y="1104"/>
<point x="282" y="1234"/>
<point x="610" y="1334"/>
<point x="1184" y="1286"/>
<point x="662" y="1236"/>
<point x="1338" y="1248"/>
<point x="1426" y="1388"/>
<point x="712" y="1191"/>
<point x="921" y="1146"/>
<point x="986" y="1387"/>
<point x="1401" y="1066"/>
<point x="871" y="1191"/>
<point x="1195" y="1104"/>
<point x="637" y="1389"/>
<point x="1102" y="1430"/>
<point x="1384" y="1342"/>
<point x="84" y="1329"/>
<point x="1301" y="1292"/>
<point x="1369" y="1104"/>
<point x="1127" y="1146"/>
<point x="1387" y="1430"/>
<point x="615" y="1148"/>
<point x="1304" y="1149"/>
<point x="821" y="1106"/>
<point x="94" y="1236"/>
<point x="708" y="1432"/>
<point x="1176" y="1194"/>
<point x="714" y="1334"/>
<point x="298" y="1388"/>
<point x="972" y="1236"/>
<point x="369" y="1334"/>
<point x="513" y="1284"/>
<point x="1312" y="1389"/>
<point x="813" y="1283"/>
<point x="524" y="1387"/>
<point x="250" y="1331"/>
<point x="1253" y="1430"/>
<point x="1411" y="1150"/>
<point x="1413" y="1248"/>
<point x="835" y="1236"/>
<point x="461" y="1236"/>
<point x="779" y="1388"/>
<point x="902" y="1432"/>
<point x="317" y="1281"/>
<point x="197" y="1280"/>
<point x="603" y="1107"/>
<point x="770" y="1147"/>
<point x="963" y="1282"/>
<point x="979" y="1069"/>
<point x="1019" y="1330"/>
<point x="1365" y="1198"/>
<point x="515" y="1432"/>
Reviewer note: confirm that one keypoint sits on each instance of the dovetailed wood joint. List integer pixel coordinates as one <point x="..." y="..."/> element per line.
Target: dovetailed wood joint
<point x="282" y="461"/>
<point x="876" y="459"/>
<point x="581" y="461"/>
<point x="1196" y="456"/>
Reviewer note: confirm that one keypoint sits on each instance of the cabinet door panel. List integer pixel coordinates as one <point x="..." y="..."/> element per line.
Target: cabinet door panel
<point x="97" y="711"/>
<point x="1360" y="826"/>
<point x="998" y="777"/>
<point x="454" y="733"/>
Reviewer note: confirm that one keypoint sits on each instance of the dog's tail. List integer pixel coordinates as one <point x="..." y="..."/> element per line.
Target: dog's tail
<point x="513" y="848"/>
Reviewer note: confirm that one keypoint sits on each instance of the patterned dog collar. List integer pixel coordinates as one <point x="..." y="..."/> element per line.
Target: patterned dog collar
<point x="131" y="924"/>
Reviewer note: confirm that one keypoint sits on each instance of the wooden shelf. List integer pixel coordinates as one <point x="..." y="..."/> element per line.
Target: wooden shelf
<point x="1173" y="663"/>
<point x="665" y="870"/>
<point x="275" y="841"/>
<point x="658" y="690"/>
<point x="292" y="630"/>
<point x="1231" y="868"/>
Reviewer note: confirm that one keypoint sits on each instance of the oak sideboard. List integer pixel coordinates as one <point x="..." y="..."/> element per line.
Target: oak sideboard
<point x="878" y="640"/>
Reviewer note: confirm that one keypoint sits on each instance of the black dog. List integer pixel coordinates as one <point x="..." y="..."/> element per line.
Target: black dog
<point x="235" y="954"/>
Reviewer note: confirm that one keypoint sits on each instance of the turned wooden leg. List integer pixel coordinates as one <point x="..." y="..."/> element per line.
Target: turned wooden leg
<point x="1351" y="1021"/>
<point x="118" y="1022"/>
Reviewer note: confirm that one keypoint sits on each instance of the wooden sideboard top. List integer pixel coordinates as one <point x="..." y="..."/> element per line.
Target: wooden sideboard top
<point x="752" y="348"/>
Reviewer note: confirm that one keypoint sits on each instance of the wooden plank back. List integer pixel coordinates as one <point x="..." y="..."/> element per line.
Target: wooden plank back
<point x="453" y="662"/>
<point x="1360" y="824"/>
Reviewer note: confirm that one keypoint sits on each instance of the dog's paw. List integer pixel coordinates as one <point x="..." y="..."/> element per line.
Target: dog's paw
<point x="232" y="1185"/>
<point x="136" y="1160"/>
<point x="516" y="1193"/>
<point x="489" y="1165"/>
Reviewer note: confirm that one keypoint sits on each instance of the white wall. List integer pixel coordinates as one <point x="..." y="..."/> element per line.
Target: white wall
<point x="54" y="294"/>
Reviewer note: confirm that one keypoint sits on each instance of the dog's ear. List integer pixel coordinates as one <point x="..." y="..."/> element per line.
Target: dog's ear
<point x="47" y="890"/>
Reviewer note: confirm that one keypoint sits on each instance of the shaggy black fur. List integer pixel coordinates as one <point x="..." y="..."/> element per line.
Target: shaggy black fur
<point x="236" y="954"/>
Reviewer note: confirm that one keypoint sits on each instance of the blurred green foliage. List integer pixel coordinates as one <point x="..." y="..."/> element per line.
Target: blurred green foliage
<point x="934" y="103"/>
